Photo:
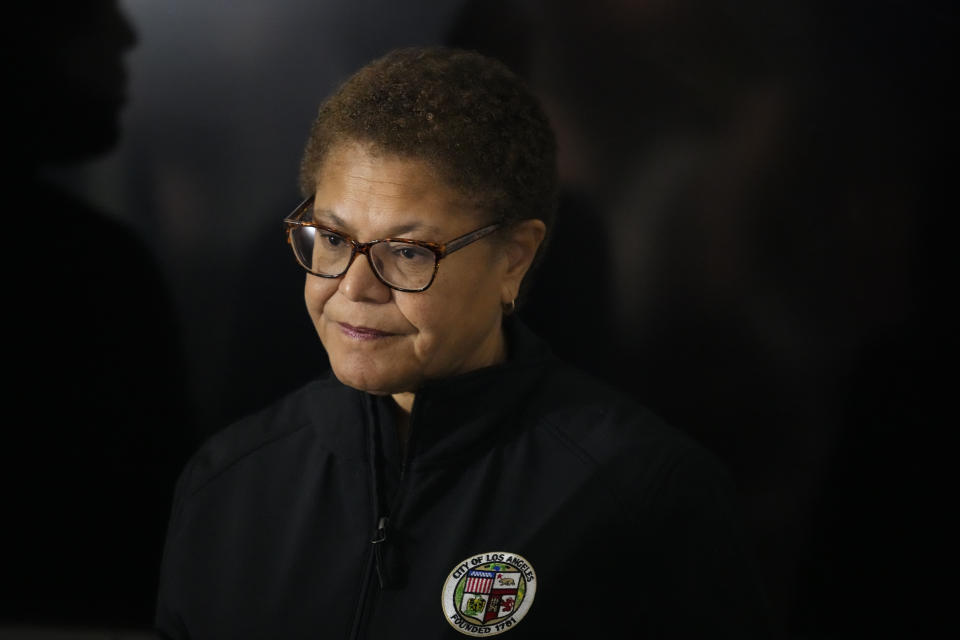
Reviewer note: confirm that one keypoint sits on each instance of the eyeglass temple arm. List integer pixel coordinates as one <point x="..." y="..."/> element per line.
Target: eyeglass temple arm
<point x="473" y="236"/>
<point x="299" y="209"/>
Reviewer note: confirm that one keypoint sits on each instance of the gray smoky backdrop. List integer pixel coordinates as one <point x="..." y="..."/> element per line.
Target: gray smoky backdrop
<point x="751" y="240"/>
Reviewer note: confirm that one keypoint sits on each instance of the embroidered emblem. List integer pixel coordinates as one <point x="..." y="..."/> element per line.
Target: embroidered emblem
<point x="488" y="593"/>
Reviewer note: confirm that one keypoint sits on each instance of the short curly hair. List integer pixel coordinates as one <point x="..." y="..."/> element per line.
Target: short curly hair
<point x="467" y="115"/>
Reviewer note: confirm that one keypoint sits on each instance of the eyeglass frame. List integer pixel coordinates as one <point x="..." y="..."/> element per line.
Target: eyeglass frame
<point x="440" y="249"/>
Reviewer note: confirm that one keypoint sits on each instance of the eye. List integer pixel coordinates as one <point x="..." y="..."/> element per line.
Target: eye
<point x="412" y="252"/>
<point x="331" y="239"/>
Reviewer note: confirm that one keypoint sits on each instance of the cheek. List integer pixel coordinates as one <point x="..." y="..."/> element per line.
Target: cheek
<point x="316" y="292"/>
<point x="450" y="320"/>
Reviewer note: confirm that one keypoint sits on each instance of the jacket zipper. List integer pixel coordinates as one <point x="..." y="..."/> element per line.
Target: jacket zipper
<point x="375" y="561"/>
<point x="361" y="603"/>
<point x="379" y="538"/>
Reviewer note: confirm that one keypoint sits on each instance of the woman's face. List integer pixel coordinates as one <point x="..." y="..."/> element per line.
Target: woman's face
<point x="386" y="341"/>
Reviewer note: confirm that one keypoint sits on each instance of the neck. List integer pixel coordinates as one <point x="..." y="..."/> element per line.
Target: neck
<point x="403" y="405"/>
<point x="404" y="402"/>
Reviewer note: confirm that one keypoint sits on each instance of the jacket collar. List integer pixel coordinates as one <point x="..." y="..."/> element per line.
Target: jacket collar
<point x="462" y="415"/>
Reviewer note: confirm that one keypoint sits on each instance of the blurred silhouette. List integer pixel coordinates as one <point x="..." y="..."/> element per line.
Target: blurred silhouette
<point x="768" y="182"/>
<point x="99" y="418"/>
<point x="274" y="348"/>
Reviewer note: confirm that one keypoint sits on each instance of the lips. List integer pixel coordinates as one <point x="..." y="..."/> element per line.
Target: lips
<point x="363" y="333"/>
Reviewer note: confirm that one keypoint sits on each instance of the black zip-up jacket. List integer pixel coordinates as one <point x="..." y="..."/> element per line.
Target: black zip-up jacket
<point x="533" y="503"/>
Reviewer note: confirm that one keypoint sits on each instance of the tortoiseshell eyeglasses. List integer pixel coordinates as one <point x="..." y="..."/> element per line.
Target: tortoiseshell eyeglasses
<point x="399" y="263"/>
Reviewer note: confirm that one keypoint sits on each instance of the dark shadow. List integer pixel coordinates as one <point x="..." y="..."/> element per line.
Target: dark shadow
<point x="274" y="348"/>
<point x="771" y="183"/>
<point x="99" y="419"/>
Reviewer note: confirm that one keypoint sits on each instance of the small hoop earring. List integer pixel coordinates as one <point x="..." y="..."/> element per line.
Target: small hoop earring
<point x="509" y="307"/>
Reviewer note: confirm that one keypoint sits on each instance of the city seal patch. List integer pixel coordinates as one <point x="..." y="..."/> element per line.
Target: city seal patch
<point x="489" y="593"/>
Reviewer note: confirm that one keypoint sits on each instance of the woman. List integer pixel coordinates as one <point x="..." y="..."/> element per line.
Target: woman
<point x="449" y="454"/>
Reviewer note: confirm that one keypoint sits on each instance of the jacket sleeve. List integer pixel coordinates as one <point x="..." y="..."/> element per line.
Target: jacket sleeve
<point x="704" y="576"/>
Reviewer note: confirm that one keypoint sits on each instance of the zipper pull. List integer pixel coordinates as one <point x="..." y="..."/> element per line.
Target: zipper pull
<point x="381" y="534"/>
<point x="378" y="539"/>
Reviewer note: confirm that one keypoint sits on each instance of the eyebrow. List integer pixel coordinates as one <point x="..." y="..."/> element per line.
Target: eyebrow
<point x="325" y="216"/>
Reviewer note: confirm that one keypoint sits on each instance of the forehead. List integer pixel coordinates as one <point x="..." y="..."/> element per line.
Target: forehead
<point x="374" y="194"/>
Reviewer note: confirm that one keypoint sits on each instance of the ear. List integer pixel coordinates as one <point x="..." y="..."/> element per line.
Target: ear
<point x="522" y="242"/>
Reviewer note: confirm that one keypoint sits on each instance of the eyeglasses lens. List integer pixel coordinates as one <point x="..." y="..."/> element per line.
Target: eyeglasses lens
<point x="400" y="264"/>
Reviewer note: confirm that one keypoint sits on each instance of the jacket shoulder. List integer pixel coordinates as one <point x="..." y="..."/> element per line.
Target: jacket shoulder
<point x="605" y="427"/>
<point x="321" y="404"/>
<point x="590" y="412"/>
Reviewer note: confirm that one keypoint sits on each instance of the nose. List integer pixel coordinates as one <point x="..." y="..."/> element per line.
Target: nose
<point x="115" y="27"/>
<point x="126" y="30"/>
<point x="360" y="284"/>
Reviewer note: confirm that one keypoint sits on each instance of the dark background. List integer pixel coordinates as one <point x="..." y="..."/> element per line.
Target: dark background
<point x="753" y="240"/>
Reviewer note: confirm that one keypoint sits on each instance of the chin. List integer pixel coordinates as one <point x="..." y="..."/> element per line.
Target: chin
<point x="367" y="376"/>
